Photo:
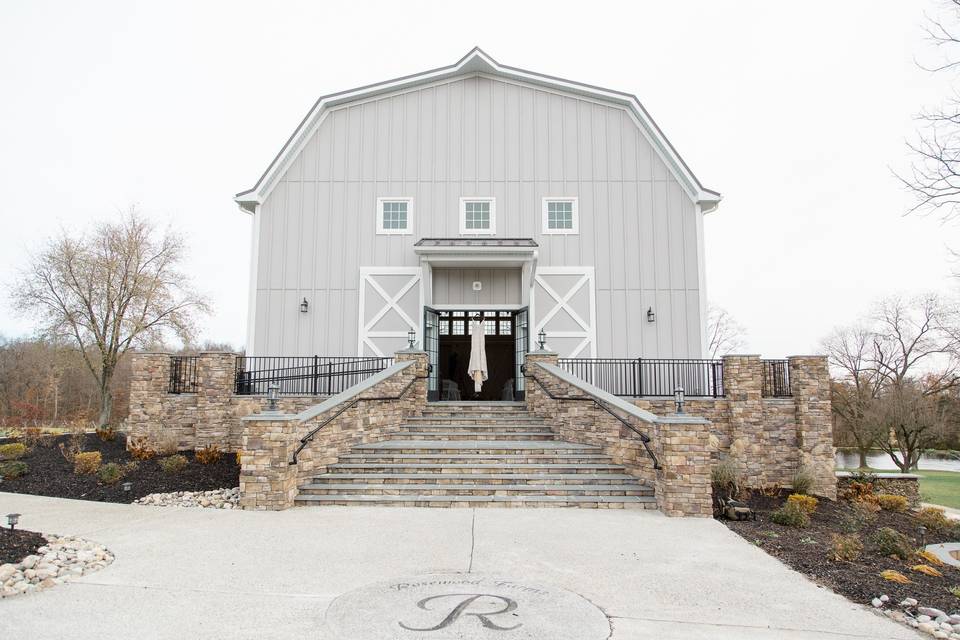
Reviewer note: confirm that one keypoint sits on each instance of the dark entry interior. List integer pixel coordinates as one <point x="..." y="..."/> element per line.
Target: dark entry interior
<point x="505" y="344"/>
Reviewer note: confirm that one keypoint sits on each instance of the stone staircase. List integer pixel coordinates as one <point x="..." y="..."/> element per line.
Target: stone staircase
<point x="477" y="454"/>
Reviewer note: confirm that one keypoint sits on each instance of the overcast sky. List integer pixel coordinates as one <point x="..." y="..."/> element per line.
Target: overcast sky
<point x="796" y="112"/>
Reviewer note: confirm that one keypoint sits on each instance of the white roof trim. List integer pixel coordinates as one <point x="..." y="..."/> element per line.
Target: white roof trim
<point x="477" y="62"/>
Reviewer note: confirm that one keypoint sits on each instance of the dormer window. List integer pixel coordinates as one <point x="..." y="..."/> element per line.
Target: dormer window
<point x="478" y="216"/>
<point x="394" y="216"/>
<point x="560" y="216"/>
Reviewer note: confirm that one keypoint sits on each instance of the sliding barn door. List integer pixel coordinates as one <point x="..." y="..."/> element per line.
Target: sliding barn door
<point x="391" y="304"/>
<point x="565" y="307"/>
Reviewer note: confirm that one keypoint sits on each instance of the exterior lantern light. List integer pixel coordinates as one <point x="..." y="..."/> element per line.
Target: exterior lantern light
<point x="12" y="519"/>
<point x="411" y="338"/>
<point x="651" y="316"/>
<point x="678" y="399"/>
<point x="126" y="486"/>
<point x="304" y="306"/>
<point x="922" y="530"/>
<point x="273" y="394"/>
<point x="542" y="339"/>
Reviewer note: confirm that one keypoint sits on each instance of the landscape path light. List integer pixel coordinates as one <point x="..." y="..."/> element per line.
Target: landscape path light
<point x="678" y="399"/>
<point x="12" y="519"/>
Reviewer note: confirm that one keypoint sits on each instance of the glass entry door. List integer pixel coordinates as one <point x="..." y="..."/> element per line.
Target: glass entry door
<point x="521" y="333"/>
<point x="431" y="344"/>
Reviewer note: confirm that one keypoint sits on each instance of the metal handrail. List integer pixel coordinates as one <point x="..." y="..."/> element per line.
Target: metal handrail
<point x="644" y="438"/>
<point x="307" y="438"/>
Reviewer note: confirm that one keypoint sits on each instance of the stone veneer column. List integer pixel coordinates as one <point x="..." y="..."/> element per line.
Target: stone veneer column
<point x="149" y="380"/>
<point x="536" y="398"/>
<point x="810" y="386"/>
<point x="216" y="375"/>
<point x="682" y="444"/>
<point x="743" y="386"/>
<point x="268" y="482"/>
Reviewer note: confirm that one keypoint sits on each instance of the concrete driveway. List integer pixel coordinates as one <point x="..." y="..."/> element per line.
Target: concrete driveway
<point x="199" y="573"/>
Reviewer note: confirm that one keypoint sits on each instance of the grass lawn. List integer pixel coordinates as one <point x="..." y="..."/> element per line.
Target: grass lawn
<point x="936" y="487"/>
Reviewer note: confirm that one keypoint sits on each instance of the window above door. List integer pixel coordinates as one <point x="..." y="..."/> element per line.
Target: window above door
<point x="560" y="216"/>
<point x="478" y="216"/>
<point x="394" y="216"/>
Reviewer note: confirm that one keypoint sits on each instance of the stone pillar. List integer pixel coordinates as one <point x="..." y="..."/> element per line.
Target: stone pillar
<point x="149" y="379"/>
<point x="268" y="482"/>
<point x="682" y="445"/>
<point x="743" y="386"/>
<point x="416" y="399"/>
<point x="216" y="375"/>
<point x="536" y="398"/>
<point x="810" y="386"/>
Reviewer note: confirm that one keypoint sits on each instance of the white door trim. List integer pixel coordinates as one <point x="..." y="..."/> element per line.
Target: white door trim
<point x="588" y="330"/>
<point x="365" y="332"/>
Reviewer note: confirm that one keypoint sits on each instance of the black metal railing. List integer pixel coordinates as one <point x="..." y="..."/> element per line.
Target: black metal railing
<point x="776" y="379"/>
<point x="304" y="375"/>
<point x="183" y="374"/>
<point x="639" y="377"/>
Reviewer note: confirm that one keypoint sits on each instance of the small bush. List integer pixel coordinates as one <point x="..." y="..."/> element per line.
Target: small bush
<point x="106" y="433"/>
<point x="209" y="454"/>
<point x="13" y="469"/>
<point x="934" y="519"/>
<point x="34" y="436"/>
<point x="807" y="503"/>
<point x="172" y="464"/>
<point x="894" y="576"/>
<point x="861" y="515"/>
<point x="725" y="479"/>
<point x="890" y="502"/>
<point x="802" y="481"/>
<point x="87" y="462"/>
<point x="12" y="451"/>
<point x="167" y="444"/>
<point x="130" y="467"/>
<point x="846" y="548"/>
<point x="140" y="449"/>
<point x="927" y="570"/>
<point x="890" y="542"/>
<point x="955" y="591"/>
<point x="110" y="473"/>
<point x="790" y="514"/>
<point x="861" y="492"/>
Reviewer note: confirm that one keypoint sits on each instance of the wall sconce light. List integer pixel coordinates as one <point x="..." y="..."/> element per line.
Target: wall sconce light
<point x="304" y="306"/>
<point x="12" y="519"/>
<point x="273" y="394"/>
<point x="411" y="338"/>
<point x="651" y="316"/>
<point x="678" y="399"/>
<point x="542" y="340"/>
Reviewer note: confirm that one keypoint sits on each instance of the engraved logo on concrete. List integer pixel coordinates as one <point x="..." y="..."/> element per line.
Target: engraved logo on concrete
<point x="464" y="606"/>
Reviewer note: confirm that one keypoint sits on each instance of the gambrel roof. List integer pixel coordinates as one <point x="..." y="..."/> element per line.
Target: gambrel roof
<point x="478" y="62"/>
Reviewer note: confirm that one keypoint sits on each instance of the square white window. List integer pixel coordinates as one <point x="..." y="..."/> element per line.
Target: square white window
<point x="560" y="216"/>
<point x="478" y="216"/>
<point x="394" y="216"/>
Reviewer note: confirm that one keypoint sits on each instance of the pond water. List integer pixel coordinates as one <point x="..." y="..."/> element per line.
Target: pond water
<point x="933" y="461"/>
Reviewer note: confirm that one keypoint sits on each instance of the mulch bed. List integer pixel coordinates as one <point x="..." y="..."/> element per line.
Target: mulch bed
<point x="50" y="474"/>
<point x="17" y="544"/>
<point x="808" y="550"/>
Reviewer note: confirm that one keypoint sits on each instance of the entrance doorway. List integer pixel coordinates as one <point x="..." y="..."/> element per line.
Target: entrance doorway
<point x="447" y="340"/>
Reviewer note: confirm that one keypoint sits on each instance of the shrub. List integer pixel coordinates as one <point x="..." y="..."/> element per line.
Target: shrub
<point x="12" y="451"/>
<point x="725" y="479"/>
<point x="167" y="444"/>
<point x="846" y="548"/>
<point x="106" y="433"/>
<point x="861" y="492"/>
<point x="934" y="519"/>
<point x="894" y="576"/>
<point x="790" y="514"/>
<point x="955" y="591"/>
<point x="890" y="502"/>
<point x="130" y="467"/>
<point x="34" y="436"/>
<point x="110" y="473"/>
<point x="173" y="464"/>
<point x="890" y="542"/>
<point x="807" y="503"/>
<point x="861" y="514"/>
<point x="13" y="469"/>
<point x="140" y="449"/>
<point x="87" y="462"/>
<point x="209" y="454"/>
<point x="802" y="481"/>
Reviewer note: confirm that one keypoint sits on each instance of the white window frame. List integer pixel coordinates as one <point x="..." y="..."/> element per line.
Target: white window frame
<point x="493" y="216"/>
<point x="575" y="209"/>
<point x="394" y="232"/>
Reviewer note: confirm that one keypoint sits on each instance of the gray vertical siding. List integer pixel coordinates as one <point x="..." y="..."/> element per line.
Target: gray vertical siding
<point x="479" y="136"/>
<point x="455" y="286"/>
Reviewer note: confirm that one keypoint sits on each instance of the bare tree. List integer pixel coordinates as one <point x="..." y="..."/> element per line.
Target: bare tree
<point x="935" y="176"/>
<point x="724" y="333"/>
<point x="908" y="417"/>
<point x="115" y="288"/>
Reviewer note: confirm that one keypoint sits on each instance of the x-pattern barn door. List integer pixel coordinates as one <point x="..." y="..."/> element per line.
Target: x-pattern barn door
<point x="390" y="306"/>
<point x="565" y="307"/>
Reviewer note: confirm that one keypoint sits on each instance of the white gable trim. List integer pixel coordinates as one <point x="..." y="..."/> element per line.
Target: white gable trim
<point x="476" y="62"/>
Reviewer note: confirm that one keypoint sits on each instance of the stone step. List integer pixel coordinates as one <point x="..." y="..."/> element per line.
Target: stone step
<point x="475" y="446"/>
<point x="471" y="459"/>
<point x="472" y="405"/>
<point x="462" y="420"/>
<point x="584" y="502"/>
<point x="426" y="427"/>
<point x="475" y="489"/>
<point x="475" y="468"/>
<point x="526" y="436"/>
<point x="536" y="479"/>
